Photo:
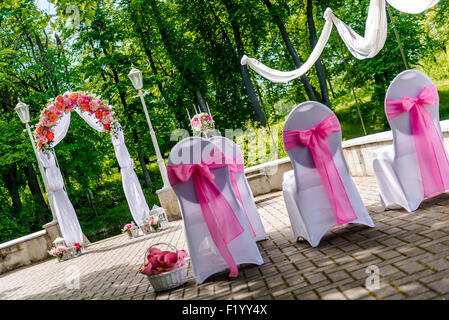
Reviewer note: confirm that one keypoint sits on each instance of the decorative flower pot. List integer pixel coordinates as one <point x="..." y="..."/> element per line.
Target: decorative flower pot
<point x="146" y="228"/>
<point x="135" y="232"/>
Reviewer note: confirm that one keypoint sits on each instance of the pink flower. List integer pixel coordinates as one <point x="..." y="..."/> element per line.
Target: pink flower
<point x="43" y="139"/>
<point x="94" y="105"/>
<point x="208" y="117"/>
<point x="46" y="122"/>
<point x="107" y="119"/>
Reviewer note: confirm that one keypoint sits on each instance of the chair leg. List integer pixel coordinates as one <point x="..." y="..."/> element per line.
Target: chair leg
<point x="382" y="202"/>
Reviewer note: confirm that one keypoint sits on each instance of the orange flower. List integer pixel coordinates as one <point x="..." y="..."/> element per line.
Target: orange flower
<point x="52" y="117"/>
<point x="85" y="106"/>
<point x="60" y="99"/>
<point x="59" y="105"/>
<point x="73" y="95"/>
<point x="39" y="130"/>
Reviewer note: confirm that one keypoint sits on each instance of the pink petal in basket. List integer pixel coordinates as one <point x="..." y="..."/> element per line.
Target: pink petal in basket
<point x="147" y="270"/>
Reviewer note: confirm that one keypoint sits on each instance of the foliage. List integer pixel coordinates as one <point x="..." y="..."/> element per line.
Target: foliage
<point x="188" y="51"/>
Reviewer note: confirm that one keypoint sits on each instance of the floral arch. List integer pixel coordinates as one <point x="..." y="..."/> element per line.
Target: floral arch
<point x="52" y="128"/>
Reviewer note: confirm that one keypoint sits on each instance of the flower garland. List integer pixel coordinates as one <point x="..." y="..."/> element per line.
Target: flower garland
<point x="202" y="122"/>
<point x="66" y="103"/>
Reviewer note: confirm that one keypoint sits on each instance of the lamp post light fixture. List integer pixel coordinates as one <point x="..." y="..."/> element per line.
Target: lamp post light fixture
<point x="23" y="111"/>
<point x="135" y="76"/>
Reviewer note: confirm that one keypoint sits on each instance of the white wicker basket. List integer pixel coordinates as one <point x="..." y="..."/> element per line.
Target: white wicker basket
<point x="171" y="279"/>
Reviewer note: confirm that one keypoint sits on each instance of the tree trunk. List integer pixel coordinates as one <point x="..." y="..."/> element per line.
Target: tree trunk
<point x="12" y="184"/>
<point x="291" y="50"/>
<point x="260" y="118"/>
<point x="319" y="67"/>
<point x="43" y="213"/>
<point x="200" y="100"/>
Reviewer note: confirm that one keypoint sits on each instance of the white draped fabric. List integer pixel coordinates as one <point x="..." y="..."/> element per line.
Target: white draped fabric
<point x="60" y="130"/>
<point x="91" y="120"/>
<point x="412" y="6"/>
<point x="131" y="186"/>
<point x="360" y="47"/>
<point x="64" y="211"/>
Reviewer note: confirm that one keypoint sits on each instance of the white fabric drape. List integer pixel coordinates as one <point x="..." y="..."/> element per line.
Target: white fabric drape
<point x="360" y="47"/>
<point x="61" y="128"/>
<point x="64" y="211"/>
<point x="412" y="6"/>
<point x="131" y="186"/>
<point x="91" y="120"/>
<point x="375" y="32"/>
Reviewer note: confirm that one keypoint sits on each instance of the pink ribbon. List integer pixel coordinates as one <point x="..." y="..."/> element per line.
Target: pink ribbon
<point x="237" y="165"/>
<point x="316" y="139"/>
<point x="432" y="159"/>
<point x="220" y="219"/>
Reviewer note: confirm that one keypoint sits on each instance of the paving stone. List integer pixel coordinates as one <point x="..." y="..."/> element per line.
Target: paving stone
<point x="440" y="286"/>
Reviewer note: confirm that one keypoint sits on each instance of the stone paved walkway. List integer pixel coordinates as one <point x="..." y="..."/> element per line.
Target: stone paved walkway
<point x="410" y="249"/>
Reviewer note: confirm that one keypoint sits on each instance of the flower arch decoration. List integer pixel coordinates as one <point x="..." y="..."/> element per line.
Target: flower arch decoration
<point x="66" y="103"/>
<point x="52" y="128"/>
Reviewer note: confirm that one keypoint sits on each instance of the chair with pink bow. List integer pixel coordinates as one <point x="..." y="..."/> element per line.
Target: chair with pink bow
<point x="416" y="166"/>
<point x="240" y="184"/>
<point x="319" y="192"/>
<point x="218" y="234"/>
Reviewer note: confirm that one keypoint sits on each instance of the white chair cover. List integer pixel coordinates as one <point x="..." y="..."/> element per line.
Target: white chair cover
<point x="396" y="167"/>
<point x="307" y="204"/>
<point x="232" y="151"/>
<point x="204" y="255"/>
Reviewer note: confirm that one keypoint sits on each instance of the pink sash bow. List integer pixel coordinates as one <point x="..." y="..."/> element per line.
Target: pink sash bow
<point x="432" y="159"/>
<point x="221" y="221"/>
<point x="316" y="139"/>
<point x="237" y="165"/>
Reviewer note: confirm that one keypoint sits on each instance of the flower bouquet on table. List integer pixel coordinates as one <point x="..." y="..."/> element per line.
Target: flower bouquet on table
<point x="165" y="269"/>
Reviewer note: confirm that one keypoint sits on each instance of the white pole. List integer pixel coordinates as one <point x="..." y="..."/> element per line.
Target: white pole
<point x="42" y="170"/>
<point x="160" y="160"/>
<point x="208" y="110"/>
